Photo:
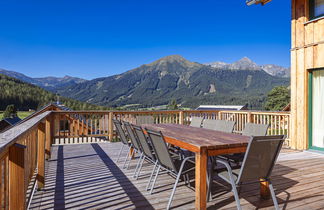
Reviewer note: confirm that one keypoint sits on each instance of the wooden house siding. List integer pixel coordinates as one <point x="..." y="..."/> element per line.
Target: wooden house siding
<point x="307" y="53"/>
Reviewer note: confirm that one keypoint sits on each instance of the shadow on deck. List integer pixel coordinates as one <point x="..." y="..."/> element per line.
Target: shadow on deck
<point x="86" y="176"/>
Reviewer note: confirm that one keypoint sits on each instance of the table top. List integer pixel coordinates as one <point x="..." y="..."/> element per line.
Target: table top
<point x="194" y="139"/>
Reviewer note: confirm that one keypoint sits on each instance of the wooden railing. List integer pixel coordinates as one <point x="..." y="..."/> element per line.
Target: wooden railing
<point x="88" y="126"/>
<point x="25" y="147"/>
<point x="23" y="150"/>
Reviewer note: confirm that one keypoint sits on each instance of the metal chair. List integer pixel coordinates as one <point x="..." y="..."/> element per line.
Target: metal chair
<point x="147" y="154"/>
<point x="259" y="160"/>
<point x="144" y="119"/>
<point x="122" y="137"/>
<point x="250" y="129"/>
<point x="219" y="125"/>
<point x="134" y="143"/>
<point x="196" y="122"/>
<point x="173" y="165"/>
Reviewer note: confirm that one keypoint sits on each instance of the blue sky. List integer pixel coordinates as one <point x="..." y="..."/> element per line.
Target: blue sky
<point x="92" y="38"/>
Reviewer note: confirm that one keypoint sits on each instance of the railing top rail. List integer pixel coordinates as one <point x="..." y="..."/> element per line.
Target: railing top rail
<point x="171" y="112"/>
<point x="118" y="112"/>
<point x="10" y="136"/>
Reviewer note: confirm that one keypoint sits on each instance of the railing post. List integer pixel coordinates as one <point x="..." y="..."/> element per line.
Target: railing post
<point x="219" y="115"/>
<point x="48" y="135"/>
<point x="17" y="191"/>
<point x="41" y="156"/>
<point x="181" y="118"/>
<point x="110" y="126"/>
<point x="249" y="117"/>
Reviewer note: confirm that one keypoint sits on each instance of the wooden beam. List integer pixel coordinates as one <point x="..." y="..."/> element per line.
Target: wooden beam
<point x="41" y="156"/>
<point x="17" y="191"/>
<point x="201" y="178"/>
<point x="48" y="136"/>
<point x="181" y="118"/>
<point x="110" y="126"/>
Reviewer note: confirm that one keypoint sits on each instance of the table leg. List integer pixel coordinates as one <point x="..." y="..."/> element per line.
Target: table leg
<point x="264" y="189"/>
<point x="201" y="177"/>
<point x="131" y="153"/>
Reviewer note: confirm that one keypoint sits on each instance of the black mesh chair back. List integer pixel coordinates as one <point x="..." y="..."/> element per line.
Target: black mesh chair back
<point x="147" y="149"/>
<point x="132" y="137"/>
<point x="219" y="125"/>
<point x="260" y="157"/>
<point x="252" y="129"/>
<point x="196" y="121"/>
<point x="144" y="119"/>
<point x="161" y="149"/>
<point x="120" y="132"/>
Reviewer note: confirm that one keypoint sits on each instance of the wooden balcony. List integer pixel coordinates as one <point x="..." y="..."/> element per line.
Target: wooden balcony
<point x="83" y="176"/>
<point x="82" y="173"/>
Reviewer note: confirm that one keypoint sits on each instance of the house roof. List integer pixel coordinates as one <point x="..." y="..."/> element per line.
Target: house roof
<point x="263" y="2"/>
<point x="221" y="107"/>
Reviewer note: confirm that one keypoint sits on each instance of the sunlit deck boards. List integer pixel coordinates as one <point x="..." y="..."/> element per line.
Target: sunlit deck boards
<point x="86" y="176"/>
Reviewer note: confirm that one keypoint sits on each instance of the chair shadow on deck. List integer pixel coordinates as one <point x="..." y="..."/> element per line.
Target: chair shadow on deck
<point x="250" y="193"/>
<point x="129" y="188"/>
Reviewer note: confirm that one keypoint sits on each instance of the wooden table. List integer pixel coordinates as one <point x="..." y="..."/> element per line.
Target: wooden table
<point x="203" y="142"/>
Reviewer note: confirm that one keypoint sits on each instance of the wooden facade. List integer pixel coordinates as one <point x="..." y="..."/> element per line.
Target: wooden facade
<point x="307" y="53"/>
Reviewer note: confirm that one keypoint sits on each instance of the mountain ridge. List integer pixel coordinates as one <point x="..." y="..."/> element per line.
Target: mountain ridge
<point x="174" y="77"/>
<point x="246" y="63"/>
<point x="49" y="83"/>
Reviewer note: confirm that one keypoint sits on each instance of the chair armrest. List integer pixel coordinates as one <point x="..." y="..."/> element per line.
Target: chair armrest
<point x="229" y="170"/>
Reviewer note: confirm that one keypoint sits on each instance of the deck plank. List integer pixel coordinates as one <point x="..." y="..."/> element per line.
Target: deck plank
<point x="86" y="176"/>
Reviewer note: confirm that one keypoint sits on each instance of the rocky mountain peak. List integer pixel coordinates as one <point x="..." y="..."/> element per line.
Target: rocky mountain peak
<point x="245" y="63"/>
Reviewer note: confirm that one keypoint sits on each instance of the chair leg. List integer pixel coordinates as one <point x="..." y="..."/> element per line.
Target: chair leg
<point x="174" y="189"/>
<point x="150" y="179"/>
<point x="140" y="167"/>
<point x="273" y="195"/>
<point x="127" y="157"/>
<point x="234" y="189"/>
<point x="210" y="179"/>
<point x="188" y="177"/>
<point x="137" y="165"/>
<point x="237" y="198"/>
<point x="155" y="178"/>
<point x="120" y="151"/>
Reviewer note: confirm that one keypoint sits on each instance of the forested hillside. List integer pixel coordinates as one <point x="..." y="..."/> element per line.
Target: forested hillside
<point x="26" y="96"/>
<point x="175" y="78"/>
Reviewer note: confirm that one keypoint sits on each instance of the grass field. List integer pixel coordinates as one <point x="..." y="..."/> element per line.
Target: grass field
<point x="21" y="115"/>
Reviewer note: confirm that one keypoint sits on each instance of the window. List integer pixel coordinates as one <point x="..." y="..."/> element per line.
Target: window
<point x="316" y="9"/>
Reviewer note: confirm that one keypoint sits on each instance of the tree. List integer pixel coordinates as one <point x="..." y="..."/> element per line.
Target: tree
<point x="10" y="111"/>
<point x="277" y="98"/>
<point x="173" y="105"/>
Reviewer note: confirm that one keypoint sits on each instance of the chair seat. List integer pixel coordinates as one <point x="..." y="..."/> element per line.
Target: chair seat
<point x="224" y="173"/>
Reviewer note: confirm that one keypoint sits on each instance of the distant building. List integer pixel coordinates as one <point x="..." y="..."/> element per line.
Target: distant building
<point x="223" y="107"/>
<point x="8" y="122"/>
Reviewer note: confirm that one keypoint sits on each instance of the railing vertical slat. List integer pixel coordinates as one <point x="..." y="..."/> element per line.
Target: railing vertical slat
<point x="17" y="192"/>
<point x="41" y="156"/>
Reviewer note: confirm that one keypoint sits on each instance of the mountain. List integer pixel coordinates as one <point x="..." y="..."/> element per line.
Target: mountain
<point x="174" y="77"/>
<point x="26" y="96"/>
<point x="49" y="83"/>
<point x="247" y="64"/>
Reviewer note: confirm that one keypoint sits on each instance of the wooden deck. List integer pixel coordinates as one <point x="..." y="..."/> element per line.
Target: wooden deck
<point x="86" y="176"/>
